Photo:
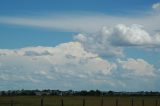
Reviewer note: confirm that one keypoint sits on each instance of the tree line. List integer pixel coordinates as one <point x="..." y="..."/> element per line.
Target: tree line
<point x="75" y="93"/>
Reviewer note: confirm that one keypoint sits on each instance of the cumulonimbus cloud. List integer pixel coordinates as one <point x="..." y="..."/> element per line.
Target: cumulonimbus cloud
<point x="68" y="61"/>
<point x="68" y="66"/>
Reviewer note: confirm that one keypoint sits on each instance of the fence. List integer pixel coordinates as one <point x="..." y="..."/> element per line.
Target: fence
<point x="115" y="102"/>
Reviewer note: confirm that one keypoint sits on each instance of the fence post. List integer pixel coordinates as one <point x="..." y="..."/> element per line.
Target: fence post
<point x="156" y="102"/>
<point x="143" y="102"/>
<point x="62" y="102"/>
<point x="83" y="102"/>
<point x="42" y="101"/>
<point x="11" y="102"/>
<point x="102" y="101"/>
<point x="132" y="102"/>
<point x="116" y="102"/>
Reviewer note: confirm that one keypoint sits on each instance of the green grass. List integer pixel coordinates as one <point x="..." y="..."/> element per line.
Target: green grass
<point x="78" y="101"/>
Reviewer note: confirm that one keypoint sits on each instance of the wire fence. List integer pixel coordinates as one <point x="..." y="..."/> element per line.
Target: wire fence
<point x="82" y="102"/>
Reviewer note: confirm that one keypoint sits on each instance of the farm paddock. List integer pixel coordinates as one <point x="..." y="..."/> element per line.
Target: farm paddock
<point x="79" y="101"/>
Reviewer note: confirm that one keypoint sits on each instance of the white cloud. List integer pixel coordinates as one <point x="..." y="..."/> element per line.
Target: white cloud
<point x="69" y="66"/>
<point x="122" y="35"/>
<point x="156" y="6"/>
<point x="156" y="39"/>
<point x="110" y="41"/>
<point x="84" y="22"/>
<point x="138" y="67"/>
<point x="68" y="61"/>
<point x="97" y="43"/>
<point x="81" y="64"/>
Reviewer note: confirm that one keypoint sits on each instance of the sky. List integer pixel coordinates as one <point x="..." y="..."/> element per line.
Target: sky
<point x="80" y="45"/>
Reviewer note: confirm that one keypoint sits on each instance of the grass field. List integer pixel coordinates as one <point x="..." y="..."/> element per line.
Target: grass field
<point x="78" y="101"/>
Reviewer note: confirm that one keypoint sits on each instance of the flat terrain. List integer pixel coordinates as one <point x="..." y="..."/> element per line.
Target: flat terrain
<point x="78" y="101"/>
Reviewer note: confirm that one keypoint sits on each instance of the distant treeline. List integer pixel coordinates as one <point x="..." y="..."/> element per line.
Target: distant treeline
<point x="75" y="93"/>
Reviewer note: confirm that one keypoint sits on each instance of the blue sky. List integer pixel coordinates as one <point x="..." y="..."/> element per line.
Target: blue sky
<point x="104" y="6"/>
<point x="42" y="8"/>
<point x="56" y="41"/>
